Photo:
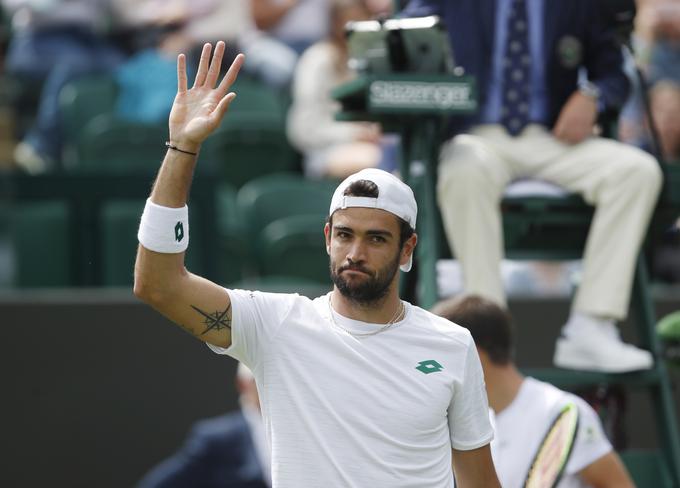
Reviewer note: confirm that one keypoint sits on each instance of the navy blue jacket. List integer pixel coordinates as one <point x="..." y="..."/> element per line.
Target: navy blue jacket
<point x="471" y="25"/>
<point x="219" y="453"/>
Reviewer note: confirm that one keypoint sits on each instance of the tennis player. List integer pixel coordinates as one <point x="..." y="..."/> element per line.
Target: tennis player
<point x="525" y="410"/>
<point x="358" y="388"/>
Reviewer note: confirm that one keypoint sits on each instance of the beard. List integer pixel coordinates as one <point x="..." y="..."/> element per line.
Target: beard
<point x="370" y="290"/>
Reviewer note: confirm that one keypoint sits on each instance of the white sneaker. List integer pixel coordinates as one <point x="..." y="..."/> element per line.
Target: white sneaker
<point x="26" y="157"/>
<point x="600" y="352"/>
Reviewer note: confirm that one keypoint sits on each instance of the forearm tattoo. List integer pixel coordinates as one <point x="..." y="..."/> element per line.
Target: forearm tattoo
<point x="216" y="320"/>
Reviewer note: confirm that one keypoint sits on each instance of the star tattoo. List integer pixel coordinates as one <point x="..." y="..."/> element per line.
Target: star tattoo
<point x="216" y="320"/>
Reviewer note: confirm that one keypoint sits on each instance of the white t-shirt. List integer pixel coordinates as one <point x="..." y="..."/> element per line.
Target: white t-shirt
<point x="377" y="411"/>
<point x="521" y="427"/>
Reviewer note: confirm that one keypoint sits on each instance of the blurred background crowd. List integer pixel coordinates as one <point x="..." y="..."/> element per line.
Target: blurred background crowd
<point x="87" y="87"/>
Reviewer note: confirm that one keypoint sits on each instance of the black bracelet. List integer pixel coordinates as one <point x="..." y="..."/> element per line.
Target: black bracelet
<point x="169" y="145"/>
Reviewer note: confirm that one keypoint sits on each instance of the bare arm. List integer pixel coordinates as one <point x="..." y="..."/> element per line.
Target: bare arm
<point x="474" y="468"/>
<point x="607" y="472"/>
<point x="199" y="306"/>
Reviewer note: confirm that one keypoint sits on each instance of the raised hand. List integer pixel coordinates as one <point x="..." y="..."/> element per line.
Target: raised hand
<point x="198" y="111"/>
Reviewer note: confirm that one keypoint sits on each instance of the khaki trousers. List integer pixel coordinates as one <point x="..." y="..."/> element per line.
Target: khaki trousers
<point x="621" y="181"/>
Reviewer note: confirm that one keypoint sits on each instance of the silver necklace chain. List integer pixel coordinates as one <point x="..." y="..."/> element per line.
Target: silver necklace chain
<point x="398" y="315"/>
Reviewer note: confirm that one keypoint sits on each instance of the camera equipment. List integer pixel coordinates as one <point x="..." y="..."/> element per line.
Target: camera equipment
<point x="414" y="45"/>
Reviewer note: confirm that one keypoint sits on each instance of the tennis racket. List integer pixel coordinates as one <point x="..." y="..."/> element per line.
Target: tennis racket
<point x="553" y="453"/>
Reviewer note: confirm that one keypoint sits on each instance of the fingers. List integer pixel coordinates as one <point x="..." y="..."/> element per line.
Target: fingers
<point x="215" y="65"/>
<point x="232" y="73"/>
<point x="181" y="73"/>
<point x="202" y="72"/>
<point x="221" y="108"/>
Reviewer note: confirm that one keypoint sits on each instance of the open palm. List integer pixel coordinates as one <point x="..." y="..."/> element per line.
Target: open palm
<point x="196" y="112"/>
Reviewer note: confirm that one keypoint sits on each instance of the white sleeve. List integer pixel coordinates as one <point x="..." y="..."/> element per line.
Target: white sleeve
<point x="469" y="423"/>
<point x="257" y="318"/>
<point x="591" y="442"/>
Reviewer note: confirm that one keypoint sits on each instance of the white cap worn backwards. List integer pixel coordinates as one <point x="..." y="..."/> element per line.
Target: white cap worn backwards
<point x="394" y="196"/>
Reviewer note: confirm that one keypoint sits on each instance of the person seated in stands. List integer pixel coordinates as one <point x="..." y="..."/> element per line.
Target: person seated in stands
<point x="665" y="96"/>
<point x="544" y="72"/>
<point x="229" y="451"/>
<point x="657" y="50"/>
<point x="140" y="43"/>
<point x="331" y="148"/>
<point x="524" y="408"/>
<point x="296" y="23"/>
<point x="51" y="43"/>
<point x="656" y="43"/>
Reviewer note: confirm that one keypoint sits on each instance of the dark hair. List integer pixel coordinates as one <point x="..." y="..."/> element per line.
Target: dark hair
<point x="489" y="324"/>
<point x="366" y="188"/>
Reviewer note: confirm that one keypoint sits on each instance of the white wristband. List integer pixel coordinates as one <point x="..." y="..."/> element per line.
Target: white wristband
<point x="164" y="229"/>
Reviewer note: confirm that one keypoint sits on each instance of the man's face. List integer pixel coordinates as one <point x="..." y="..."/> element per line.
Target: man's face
<point x="364" y="253"/>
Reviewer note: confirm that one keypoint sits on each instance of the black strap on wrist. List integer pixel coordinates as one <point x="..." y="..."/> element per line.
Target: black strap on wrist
<point x="169" y="145"/>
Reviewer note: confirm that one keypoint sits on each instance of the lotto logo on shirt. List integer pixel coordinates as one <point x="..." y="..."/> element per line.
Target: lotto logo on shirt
<point x="429" y="366"/>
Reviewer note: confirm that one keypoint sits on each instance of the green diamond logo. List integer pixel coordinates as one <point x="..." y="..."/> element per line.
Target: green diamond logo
<point x="179" y="232"/>
<point x="429" y="366"/>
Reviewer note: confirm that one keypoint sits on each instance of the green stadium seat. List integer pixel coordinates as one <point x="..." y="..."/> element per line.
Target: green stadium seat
<point x="235" y="257"/>
<point x="294" y="246"/>
<point x="119" y="221"/>
<point x="39" y="234"/>
<point x="647" y="469"/>
<point x="275" y="196"/>
<point x="265" y="203"/>
<point x="247" y="146"/>
<point x="110" y="145"/>
<point x="253" y="96"/>
<point x="80" y="101"/>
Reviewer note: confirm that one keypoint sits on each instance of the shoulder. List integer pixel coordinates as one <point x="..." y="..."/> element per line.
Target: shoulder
<point x="440" y="327"/>
<point x="267" y="299"/>
<point x="555" y="399"/>
<point x="550" y="395"/>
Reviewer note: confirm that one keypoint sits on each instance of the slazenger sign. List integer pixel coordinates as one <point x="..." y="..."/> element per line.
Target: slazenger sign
<point x="421" y="96"/>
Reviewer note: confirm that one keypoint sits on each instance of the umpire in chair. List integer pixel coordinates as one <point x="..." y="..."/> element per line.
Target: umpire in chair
<point x="545" y="71"/>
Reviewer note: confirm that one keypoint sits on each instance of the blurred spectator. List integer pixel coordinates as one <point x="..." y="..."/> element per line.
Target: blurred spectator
<point x="657" y="54"/>
<point x="281" y="31"/>
<point x="223" y="452"/>
<point x="48" y="32"/>
<point x="234" y="21"/>
<point x="196" y="21"/>
<point x="536" y="119"/>
<point x="331" y="148"/>
<point x="665" y="99"/>
<point x="54" y="41"/>
<point x="155" y="31"/>
<point x="524" y="408"/>
<point x="163" y="29"/>
<point x="296" y="23"/>
<point x="146" y="88"/>
<point x="657" y="31"/>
